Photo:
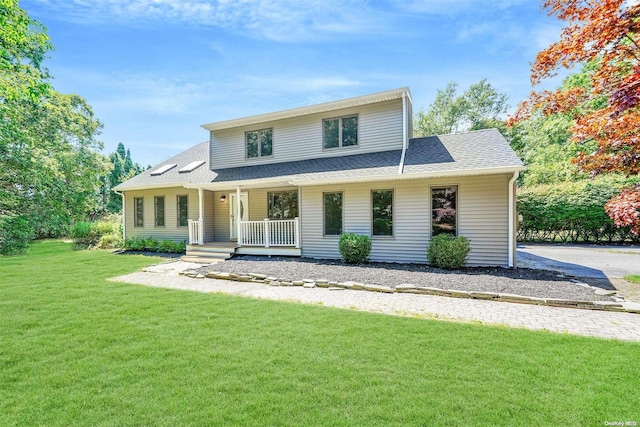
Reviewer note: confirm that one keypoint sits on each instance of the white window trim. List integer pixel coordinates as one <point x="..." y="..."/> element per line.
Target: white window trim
<point x="135" y="212"/>
<point x="431" y="187"/>
<point x="155" y="212"/>
<point x="393" y="211"/>
<point x="340" y="146"/>
<point x="178" y="210"/>
<point x="259" y="156"/>
<point x="324" y="216"/>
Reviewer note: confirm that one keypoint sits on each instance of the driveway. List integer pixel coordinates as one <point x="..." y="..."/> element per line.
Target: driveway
<point x="598" y="262"/>
<point x="602" y="266"/>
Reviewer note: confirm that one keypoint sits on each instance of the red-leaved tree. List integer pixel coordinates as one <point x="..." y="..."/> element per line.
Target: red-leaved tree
<point x="604" y="32"/>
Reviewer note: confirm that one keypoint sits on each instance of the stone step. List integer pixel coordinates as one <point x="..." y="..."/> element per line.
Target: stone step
<point x="201" y="260"/>
<point x="211" y="249"/>
<point x="205" y="254"/>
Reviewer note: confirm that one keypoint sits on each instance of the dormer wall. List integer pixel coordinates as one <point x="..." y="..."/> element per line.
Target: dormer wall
<point x="379" y="128"/>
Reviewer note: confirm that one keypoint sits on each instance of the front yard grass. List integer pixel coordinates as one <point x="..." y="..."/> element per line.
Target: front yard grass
<point x="76" y="349"/>
<point x="633" y="278"/>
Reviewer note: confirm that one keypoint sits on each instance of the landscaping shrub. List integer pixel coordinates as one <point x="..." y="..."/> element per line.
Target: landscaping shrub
<point x="448" y="251"/>
<point x="354" y="248"/>
<point x="84" y="234"/>
<point x="105" y="233"/>
<point x="135" y="244"/>
<point x="571" y="212"/>
<point x="154" y="245"/>
<point x="151" y="244"/>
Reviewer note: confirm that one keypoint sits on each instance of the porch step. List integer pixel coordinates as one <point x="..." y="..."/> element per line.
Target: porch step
<point x="201" y="260"/>
<point x="209" y="252"/>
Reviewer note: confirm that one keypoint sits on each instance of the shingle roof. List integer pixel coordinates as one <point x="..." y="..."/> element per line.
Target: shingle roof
<point x="173" y="177"/>
<point x="463" y="153"/>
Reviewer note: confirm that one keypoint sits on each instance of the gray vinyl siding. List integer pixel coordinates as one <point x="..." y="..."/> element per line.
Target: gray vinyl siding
<point x="170" y="231"/>
<point x="299" y="138"/>
<point x="482" y="217"/>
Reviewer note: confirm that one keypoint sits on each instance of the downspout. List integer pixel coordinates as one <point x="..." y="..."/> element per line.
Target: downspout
<point x="512" y="214"/>
<point x="124" y="216"/>
<point x="200" y="216"/>
<point x="405" y="132"/>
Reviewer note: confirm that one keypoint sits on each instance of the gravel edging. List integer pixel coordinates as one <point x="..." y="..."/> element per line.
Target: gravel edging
<point x="512" y="285"/>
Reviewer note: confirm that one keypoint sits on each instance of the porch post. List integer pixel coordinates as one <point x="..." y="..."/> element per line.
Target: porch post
<point x="200" y="216"/>
<point x="297" y="231"/>
<point x="238" y="216"/>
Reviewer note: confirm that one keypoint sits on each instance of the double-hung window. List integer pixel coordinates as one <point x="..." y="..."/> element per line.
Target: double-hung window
<point x="183" y="211"/>
<point x="332" y="205"/>
<point x="382" y="212"/>
<point x="283" y="204"/>
<point x="138" y="212"/>
<point x="444" y="210"/>
<point x="259" y="143"/>
<point x="340" y="132"/>
<point x="158" y="203"/>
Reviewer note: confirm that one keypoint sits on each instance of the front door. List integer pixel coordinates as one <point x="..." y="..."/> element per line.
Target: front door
<point x="233" y="212"/>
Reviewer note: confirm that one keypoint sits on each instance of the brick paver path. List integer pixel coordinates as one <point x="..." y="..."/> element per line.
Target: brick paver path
<point x="623" y="326"/>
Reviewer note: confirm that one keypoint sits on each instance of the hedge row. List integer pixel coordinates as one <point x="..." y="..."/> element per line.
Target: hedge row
<point x="571" y="212"/>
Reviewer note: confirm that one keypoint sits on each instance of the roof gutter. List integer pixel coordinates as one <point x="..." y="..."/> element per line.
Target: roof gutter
<point x="392" y="177"/>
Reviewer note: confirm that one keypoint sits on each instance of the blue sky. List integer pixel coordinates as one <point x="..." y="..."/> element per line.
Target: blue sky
<point x="155" y="70"/>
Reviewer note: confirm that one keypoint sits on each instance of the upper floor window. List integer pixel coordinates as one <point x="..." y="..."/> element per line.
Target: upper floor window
<point x="283" y="205"/>
<point x="444" y="211"/>
<point x="158" y="202"/>
<point x="183" y="211"/>
<point x="138" y="211"/>
<point x="382" y="212"/>
<point x="340" y="132"/>
<point x="259" y="143"/>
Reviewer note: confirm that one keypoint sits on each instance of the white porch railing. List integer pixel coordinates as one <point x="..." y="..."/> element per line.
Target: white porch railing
<point x="196" y="235"/>
<point x="270" y="232"/>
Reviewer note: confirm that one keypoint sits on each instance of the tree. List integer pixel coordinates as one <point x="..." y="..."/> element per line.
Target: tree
<point x="123" y="168"/>
<point x="50" y="162"/>
<point x="603" y="33"/>
<point x="480" y="107"/>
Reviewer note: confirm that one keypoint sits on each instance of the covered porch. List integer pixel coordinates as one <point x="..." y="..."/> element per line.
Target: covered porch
<point x="250" y="220"/>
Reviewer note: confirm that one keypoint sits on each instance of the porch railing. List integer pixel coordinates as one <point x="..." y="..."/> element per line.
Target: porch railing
<point x="270" y="232"/>
<point x="196" y="236"/>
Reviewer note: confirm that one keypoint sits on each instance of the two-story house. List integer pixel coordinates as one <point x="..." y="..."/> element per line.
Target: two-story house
<point x="290" y="182"/>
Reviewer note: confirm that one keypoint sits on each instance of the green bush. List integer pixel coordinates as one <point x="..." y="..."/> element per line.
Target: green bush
<point x="135" y="244"/>
<point x="448" y="251"/>
<point x="84" y="234"/>
<point x="571" y="211"/>
<point x="109" y="241"/>
<point x="15" y="235"/>
<point x="354" y="248"/>
<point x="151" y="244"/>
<point x="105" y="233"/>
<point x="154" y="245"/>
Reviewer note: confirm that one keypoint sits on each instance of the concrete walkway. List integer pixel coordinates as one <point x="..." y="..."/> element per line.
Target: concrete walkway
<point x="622" y="326"/>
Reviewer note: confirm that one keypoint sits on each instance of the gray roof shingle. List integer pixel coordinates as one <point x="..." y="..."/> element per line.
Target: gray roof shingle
<point x="469" y="152"/>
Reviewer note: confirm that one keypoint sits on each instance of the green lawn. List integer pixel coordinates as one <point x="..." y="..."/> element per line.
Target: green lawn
<point x="76" y="349"/>
<point x="633" y="278"/>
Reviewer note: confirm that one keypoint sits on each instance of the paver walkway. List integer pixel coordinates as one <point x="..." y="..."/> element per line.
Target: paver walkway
<point x="623" y="326"/>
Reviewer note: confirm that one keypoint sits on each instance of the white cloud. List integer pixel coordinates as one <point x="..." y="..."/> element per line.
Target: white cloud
<point x="449" y="7"/>
<point x="275" y="19"/>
